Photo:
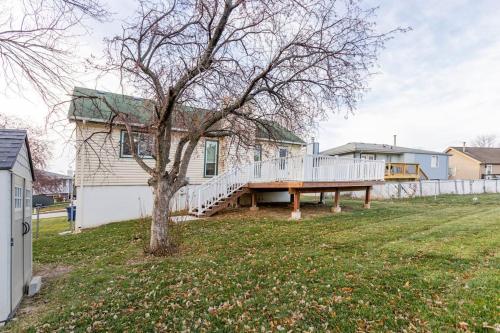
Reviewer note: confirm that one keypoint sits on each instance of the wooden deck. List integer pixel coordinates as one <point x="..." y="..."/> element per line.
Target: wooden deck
<point x="295" y="188"/>
<point x="295" y="175"/>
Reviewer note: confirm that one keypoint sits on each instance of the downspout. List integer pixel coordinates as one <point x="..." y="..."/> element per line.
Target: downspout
<point x="82" y="181"/>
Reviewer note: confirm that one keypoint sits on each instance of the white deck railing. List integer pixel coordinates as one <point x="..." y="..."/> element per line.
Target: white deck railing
<point x="310" y="168"/>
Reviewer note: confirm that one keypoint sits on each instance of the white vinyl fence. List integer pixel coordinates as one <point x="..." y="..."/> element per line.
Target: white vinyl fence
<point x="390" y="190"/>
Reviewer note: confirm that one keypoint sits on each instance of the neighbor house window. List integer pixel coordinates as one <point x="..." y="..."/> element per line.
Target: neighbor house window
<point x="489" y="169"/>
<point x="257" y="153"/>
<point x="434" y="161"/>
<point x="143" y="144"/>
<point x="211" y="158"/>
<point x="370" y="157"/>
<point x="18" y="197"/>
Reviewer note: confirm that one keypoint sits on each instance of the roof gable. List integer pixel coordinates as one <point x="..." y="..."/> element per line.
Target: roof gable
<point x="11" y="143"/>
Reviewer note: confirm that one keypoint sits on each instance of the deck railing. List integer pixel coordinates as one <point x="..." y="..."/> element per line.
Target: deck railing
<point x="402" y="170"/>
<point x="310" y="168"/>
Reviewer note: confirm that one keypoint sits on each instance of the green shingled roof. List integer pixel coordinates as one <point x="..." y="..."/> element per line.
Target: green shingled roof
<point x="90" y="106"/>
<point x="273" y="131"/>
<point x="85" y="105"/>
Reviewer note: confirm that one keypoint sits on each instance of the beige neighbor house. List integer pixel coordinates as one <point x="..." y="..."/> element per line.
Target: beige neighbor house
<point x="111" y="186"/>
<point x="474" y="162"/>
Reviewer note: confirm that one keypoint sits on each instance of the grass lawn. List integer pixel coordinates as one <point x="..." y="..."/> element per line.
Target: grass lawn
<point x="415" y="265"/>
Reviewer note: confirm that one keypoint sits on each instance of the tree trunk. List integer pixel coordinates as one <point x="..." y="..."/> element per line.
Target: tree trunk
<point x="159" y="242"/>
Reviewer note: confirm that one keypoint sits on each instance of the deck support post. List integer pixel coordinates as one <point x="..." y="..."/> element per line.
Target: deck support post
<point x="254" y="202"/>
<point x="368" y="197"/>
<point x="336" y="206"/>
<point x="296" y="206"/>
<point x="321" y="197"/>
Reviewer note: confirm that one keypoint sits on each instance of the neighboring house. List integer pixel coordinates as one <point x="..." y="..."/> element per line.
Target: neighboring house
<point x="401" y="163"/>
<point x="474" y="162"/>
<point x="111" y="186"/>
<point x="52" y="185"/>
<point x="16" y="177"/>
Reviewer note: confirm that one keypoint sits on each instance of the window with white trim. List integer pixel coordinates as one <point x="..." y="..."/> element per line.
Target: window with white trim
<point x="211" y="158"/>
<point x="144" y="144"/>
<point x="257" y="153"/>
<point x="370" y="157"/>
<point x="489" y="169"/>
<point x="18" y="197"/>
<point x="282" y="154"/>
<point x="434" y="161"/>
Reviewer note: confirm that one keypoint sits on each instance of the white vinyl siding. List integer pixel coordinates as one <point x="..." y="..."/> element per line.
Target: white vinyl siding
<point x="102" y="165"/>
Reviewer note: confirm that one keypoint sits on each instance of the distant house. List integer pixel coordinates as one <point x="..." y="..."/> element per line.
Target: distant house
<point x="401" y="163"/>
<point x="474" y="162"/>
<point x="52" y="185"/>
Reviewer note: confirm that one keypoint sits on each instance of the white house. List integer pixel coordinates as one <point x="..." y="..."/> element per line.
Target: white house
<point x="111" y="186"/>
<point x="16" y="178"/>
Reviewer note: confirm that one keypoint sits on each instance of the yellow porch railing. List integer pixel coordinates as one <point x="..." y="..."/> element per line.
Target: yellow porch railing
<point x="408" y="171"/>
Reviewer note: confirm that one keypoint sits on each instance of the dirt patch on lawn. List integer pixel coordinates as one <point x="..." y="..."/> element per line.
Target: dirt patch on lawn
<point x="32" y="308"/>
<point x="48" y="272"/>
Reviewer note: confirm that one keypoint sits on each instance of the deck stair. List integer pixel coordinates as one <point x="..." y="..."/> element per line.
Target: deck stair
<point x="221" y="204"/>
<point x="223" y="190"/>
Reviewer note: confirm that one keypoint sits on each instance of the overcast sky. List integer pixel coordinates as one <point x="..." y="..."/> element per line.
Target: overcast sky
<point x="436" y="86"/>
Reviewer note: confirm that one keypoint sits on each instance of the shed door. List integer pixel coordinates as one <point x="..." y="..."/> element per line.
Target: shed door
<point x="27" y="238"/>
<point x="17" y="265"/>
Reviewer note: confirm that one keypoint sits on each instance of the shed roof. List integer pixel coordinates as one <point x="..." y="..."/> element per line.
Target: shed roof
<point x="482" y="154"/>
<point x="91" y="107"/>
<point x="11" y="142"/>
<point x="355" y="147"/>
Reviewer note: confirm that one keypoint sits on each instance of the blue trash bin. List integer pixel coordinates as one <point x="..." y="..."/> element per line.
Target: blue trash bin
<point x="69" y="211"/>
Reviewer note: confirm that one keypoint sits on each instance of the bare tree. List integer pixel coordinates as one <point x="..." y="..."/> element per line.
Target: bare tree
<point x="243" y="63"/>
<point x="36" y="43"/>
<point x="485" y="140"/>
<point x="39" y="145"/>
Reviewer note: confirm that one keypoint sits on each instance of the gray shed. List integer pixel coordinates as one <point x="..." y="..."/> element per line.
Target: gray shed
<point x="16" y="179"/>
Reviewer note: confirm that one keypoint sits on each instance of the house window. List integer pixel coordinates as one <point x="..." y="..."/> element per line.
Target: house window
<point x="282" y="154"/>
<point x="143" y="143"/>
<point x="257" y="153"/>
<point x="211" y="158"/>
<point x="434" y="161"/>
<point x="370" y="157"/>
<point x="18" y="197"/>
<point x="489" y="169"/>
